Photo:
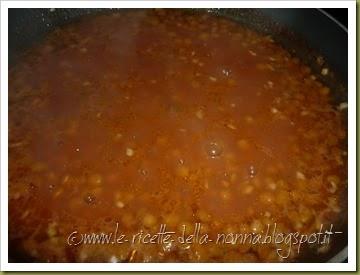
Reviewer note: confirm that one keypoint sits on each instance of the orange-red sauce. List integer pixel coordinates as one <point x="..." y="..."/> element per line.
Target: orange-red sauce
<point x="151" y="117"/>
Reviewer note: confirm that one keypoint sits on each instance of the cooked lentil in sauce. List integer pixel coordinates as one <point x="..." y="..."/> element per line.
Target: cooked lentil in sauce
<point x="154" y="117"/>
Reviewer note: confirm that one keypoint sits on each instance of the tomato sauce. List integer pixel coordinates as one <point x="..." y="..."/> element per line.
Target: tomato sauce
<point x="143" y="118"/>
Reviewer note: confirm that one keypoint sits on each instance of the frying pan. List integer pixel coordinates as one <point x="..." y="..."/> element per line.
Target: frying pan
<point x="310" y="34"/>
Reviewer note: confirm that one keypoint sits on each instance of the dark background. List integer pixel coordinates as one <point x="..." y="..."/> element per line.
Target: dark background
<point x="339" y="14"/>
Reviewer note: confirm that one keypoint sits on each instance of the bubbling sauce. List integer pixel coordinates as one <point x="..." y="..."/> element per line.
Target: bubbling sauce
<point x="143" y="118"/>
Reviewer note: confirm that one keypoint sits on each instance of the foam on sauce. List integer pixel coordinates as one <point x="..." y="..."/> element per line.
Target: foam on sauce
<point x="150" y="117"/>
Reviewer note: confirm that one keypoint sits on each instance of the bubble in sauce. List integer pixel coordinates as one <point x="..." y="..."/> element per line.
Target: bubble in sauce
<point x="213" y="149"/>
<point x="143" y="172"/>
<point x="32" y="187"/>
<point x="90" y="199"/>
<point x="252" y="171"/>
<point x="226" y="71"/>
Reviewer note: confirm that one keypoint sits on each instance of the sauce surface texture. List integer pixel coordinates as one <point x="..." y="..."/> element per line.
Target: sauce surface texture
<point x="144" y="118"/>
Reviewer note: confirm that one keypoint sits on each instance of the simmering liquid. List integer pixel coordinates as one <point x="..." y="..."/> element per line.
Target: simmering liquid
<point x="132" y="120"/>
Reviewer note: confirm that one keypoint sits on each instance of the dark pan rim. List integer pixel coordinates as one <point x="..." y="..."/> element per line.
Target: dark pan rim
<point x="342" y="255"/>
<point x="345" y="29"/>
